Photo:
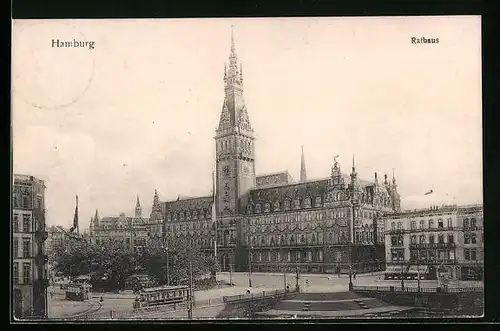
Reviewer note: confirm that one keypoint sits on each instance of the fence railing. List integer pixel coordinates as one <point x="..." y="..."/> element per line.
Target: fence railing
<point x="415" y="289"/>
<point x="256" y="296"/>
<point x="130" y="313"/>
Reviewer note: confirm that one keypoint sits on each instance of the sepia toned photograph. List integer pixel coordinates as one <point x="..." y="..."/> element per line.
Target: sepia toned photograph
<point x="247" y="169"/>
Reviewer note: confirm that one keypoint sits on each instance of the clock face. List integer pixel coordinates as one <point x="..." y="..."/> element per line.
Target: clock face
<point x="225" y="171"/>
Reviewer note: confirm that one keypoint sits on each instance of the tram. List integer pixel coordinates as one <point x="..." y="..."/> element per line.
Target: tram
<point x="79" y="292"/>
<point x="164" y="295"/>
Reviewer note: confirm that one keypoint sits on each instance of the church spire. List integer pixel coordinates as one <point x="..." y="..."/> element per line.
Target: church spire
<point x="303" y="176"/>
<point x="138" y="209"/>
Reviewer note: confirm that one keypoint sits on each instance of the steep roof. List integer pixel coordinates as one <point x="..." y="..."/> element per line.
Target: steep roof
<point x="289" y="191"/>
<point x="204" y="203"/>
<point x="277" y="178"/>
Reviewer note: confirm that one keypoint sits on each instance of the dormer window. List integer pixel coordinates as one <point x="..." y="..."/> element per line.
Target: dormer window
<point x="257" y="208"/>
<point x="267" y="207"/>
<point x="287" y="204"/>
<point x="296" y="204"/>
<point x="249" y="209"/>
<point x="317" y="202"/>
<point x="188" y="215"/>
<point x="307" y="202"/>
<point x="276" y="206"/>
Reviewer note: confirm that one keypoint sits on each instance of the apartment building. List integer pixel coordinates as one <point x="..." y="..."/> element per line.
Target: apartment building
<point x="434" y="241"/>
<point x="29" y="274"/>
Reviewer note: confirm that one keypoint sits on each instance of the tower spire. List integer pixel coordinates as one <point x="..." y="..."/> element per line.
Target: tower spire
<point x="138" y="209"/>
<point x="233" y="48"/>
<point x="303" y="175"/>
<point x="234" y="113"/>
<point x="393" y="177"/>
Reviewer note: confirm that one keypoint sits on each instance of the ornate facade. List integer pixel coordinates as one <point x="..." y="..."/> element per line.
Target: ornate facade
<point x="133" y="232"/>
<point x="447" y="239"/>
<point x="323" y="225"/>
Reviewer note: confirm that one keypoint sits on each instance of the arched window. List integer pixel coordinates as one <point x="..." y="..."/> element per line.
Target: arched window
<point x="393" y="226"/>
<point x="292" y="240"/>
<point x="272" y="241"/>
<point x="302" y="239"/>
<point x="313" y="239"/>
<point x="263" y="241"/>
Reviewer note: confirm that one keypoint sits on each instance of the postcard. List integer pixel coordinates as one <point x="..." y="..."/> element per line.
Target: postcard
<point x="256" y="168"/>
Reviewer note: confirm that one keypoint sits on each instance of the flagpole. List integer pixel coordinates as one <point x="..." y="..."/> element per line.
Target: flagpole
<point x="77" y="225"/>
<point x="214" y="213"/>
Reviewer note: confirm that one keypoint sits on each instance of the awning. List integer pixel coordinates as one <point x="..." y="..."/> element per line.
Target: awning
<point x="393" y="269"/>
<point x="423" y="269"/>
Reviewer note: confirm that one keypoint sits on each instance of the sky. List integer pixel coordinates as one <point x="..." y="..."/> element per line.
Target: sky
<point x="138" y="112"/>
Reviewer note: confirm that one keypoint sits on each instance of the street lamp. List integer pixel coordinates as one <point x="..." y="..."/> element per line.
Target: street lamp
<point x="250" y="266"/>
<point x="284" y="280"/>
<point x="167" y="267"/>
<point x="297" y="288"/>
<point x="191" y="298"/>
<point x="418" y="275"/>
<point x="231" y="275"/>
<point x="402" y="274"/>
<point x="350" y="278"/>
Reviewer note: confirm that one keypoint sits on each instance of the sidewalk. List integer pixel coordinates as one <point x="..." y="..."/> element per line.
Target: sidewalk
<point x="326" y="314"/>
<point x="291" y="274"/>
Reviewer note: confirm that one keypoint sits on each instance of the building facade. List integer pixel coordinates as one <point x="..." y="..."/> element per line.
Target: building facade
<point x="29" y="260"/>
<point x="57" y="239"/>
<point x="447" y="239"/>
<point x="133" y="232"/>
<point x="325" y="225"/>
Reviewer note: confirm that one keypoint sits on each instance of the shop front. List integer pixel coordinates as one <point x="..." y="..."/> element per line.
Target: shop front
<point x="416" y="271"/>
<point x="395" y="272"/>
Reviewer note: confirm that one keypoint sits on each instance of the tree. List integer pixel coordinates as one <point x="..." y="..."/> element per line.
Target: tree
<point x="180" y="253"/>
<point x="109" y="260"/>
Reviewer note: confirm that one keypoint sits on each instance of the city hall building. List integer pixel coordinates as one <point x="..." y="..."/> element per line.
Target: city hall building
<point x="324" y="225"/>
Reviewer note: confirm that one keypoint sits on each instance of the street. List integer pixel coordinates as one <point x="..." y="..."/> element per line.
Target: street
<point x="59" y="307"/>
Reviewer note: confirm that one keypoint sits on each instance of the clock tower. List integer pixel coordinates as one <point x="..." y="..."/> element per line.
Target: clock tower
<point x="235" y="167"/>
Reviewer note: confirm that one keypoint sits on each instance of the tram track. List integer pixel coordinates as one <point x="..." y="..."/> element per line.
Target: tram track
<point x="94" y="308"/>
